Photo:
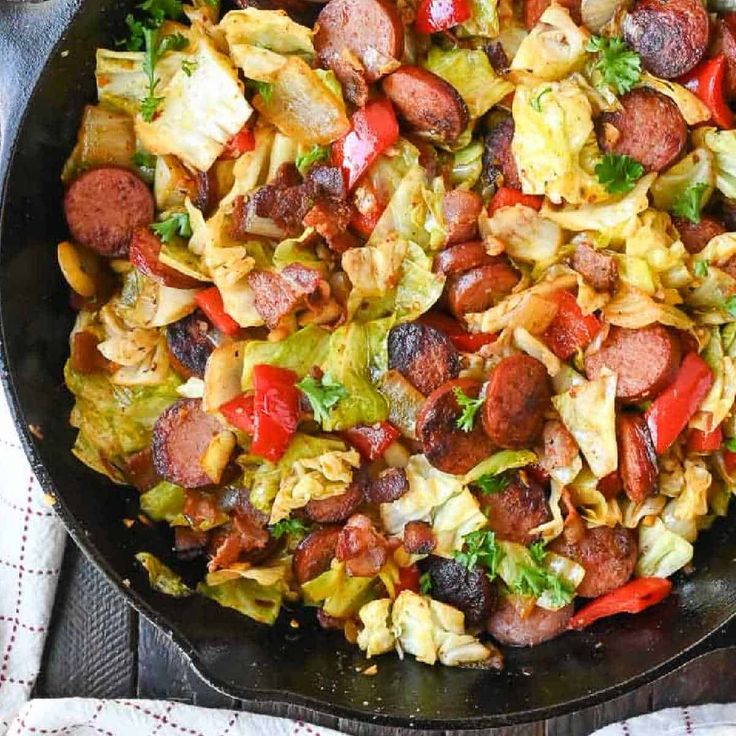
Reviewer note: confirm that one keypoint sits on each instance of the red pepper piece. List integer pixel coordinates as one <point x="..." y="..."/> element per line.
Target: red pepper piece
<point x="632" y="597"/>
<point x="371" y="441"/>
<point x="276" y="410"/>
<point x="467" y="342"/>
<point x="244" y="140"/>
<point x="439" y="15"/>
<point x="210" y="302"/>
<point x="374" y="129"/>
<point x="729" y="460"/>
<point x="670" y="412"/>
<point x="508" y="197"/>
<point x="408" y="579"/>
<point x="706" y="82"/>
<point x="699" y="441"/>
<point x="240" y="412"/>
<point x="570" y="329"/>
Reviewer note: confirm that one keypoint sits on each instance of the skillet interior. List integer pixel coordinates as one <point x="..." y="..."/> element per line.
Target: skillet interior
<point x="269" y="667"/>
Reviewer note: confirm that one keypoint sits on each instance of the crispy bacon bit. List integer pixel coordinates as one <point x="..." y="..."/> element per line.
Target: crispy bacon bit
<point x="200" y="507"/>
<point x="419" y="538"/>
<point x="141" y="472"/>
<point x="85" y="357"/>
<point x="244" y="536"/>
<point x="189" y="543"/>
<point x="363" y="550"/>
<point x="328" y="181"/>
<point x="330" y="218"/>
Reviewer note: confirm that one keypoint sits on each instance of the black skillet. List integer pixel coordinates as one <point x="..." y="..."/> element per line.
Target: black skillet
<point x="283" y="670"/>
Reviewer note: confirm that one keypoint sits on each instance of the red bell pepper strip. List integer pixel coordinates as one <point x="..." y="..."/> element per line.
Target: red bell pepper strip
<point x="570" y="329"/>
<point x="632" y="597"/>
<point x="240" y="412"/>
<point x="408" y="579"/>
<point x="276" y="410"/>
<point x="729" y="460"/>
<point x="244" y="140"/>
<point x="210" y="302"/>
<point x="466" y="342"/>
<point x="699" y="441"/>
<point x="371" y="441"/>
<point x="374" y="129"/>
<point x="670" y="412"/>
<point x="439" y="15"/>
<point x="706" y="82"/>
<point x="508" y="197"/>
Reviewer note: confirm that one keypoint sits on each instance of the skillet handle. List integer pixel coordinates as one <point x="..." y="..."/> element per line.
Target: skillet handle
<point x="29" y="31"/>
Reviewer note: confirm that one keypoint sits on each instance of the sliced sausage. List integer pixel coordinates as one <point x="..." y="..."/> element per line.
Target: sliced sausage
<point x="644" y="360"/>
<point x="419" y="538"/>
<point x="461" y="209"/>
<point x="610" y="485"/>
<point x="338" y="508"/>
<point x="462" y="257"/>
<point x="103" y="206"/>
<point x="637" y="457"/>
<point x="560" y="448"/>
<point x="725" y="43"/>
<point x="511" y="625"/>
<point x="649" y="128"/>
<point x="363" y="550"/>
<point x="427" y="103"/>
<point x="390" y="486"/>
<point x="695" y="236"/>
<point x="597" y="269"/>
<point x="314" y="553"/>
<point x="423" y="354"/>
<point x="360" y="40"/>
<point x="191" y="340"/>
<point x="445" y="445"/>
<point x="145" y="248"/>
<point x="499" y="165"/>
<point x="181" y="436"/>
<point x="516" y="510"/>
<point x="468" y="590"/>
<point x="480" y="288"/>
<point x="670" y="36"/>
<point x="608" y="556"/>
<point x="517" y="395"/>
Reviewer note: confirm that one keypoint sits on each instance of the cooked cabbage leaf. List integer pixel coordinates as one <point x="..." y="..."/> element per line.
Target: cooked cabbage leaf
<point x="661" y="551"/>
<point x="259" y="602"/>
<point x="268" y="29"/>
<point x="162" y="578"/>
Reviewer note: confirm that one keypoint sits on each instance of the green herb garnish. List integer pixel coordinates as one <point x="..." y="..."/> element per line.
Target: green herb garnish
<point x="469" y="409"/>
<point x="536" y="103"/>
<point x="480" y="549"/>
<point x="618" y="173"/>
<point x="425" y="583"/>
<point x="490" y="484"/>
<point x="176" y="224"/>
<point x="264" y="89"/>
<point x="311" y="157"/>
<point x="143" y="160"/>
<point x="323" y="394"/>
<point x="156" y="47"/>
<point x="619" y="66"/>
<point x="292" y="527"/>
<point x="688" y="203"/>
<point x="701" y="269"/>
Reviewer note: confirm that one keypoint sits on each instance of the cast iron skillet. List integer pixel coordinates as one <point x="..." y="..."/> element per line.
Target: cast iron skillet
<point x="278" y="670"/>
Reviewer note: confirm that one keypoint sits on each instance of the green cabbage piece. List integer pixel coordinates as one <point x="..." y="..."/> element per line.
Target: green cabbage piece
<point x="483" y="20"/>
<point x="696" y="168"/>
<point x="268" y="29"/>
<point x="162" y="578"/>
<point x="467" y="165"/>
<point x="661" y="551"/>
<point x="260" y="602"/>
<point x="299" y="352"/>
<point x="501" y="462"/>
<point x="164" y="502"/>
<point x="115" y="421"/>
<point x="340" y="594"/>
<point x="470" y="72"/>
<point x="723" y="145"/>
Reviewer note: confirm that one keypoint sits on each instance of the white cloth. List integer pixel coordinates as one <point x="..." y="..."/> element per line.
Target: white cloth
<point x="31" y="547"/>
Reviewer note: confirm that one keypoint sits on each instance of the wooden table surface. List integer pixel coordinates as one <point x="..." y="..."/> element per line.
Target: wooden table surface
<point x="99" y="647"/>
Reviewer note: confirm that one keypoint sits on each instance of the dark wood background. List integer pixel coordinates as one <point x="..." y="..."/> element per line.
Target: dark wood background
<point x="99" y="647"/>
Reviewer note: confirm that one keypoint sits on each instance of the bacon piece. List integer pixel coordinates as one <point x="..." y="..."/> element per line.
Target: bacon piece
<point x="419" y="538"/>
<point x="363" y="550"/>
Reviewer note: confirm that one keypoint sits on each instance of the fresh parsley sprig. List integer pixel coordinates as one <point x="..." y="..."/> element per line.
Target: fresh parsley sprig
<point x="731" y="444"/>
<point x="173" y="225"/>
<point x="618" y="173"/>
<point x="687" y="204"/>
<point x="469" y="408"/>
<point x="701" y="269"/>
<point x="264" y="89"/>
<point x="156" y="47"/>
<point x="323" y="394"/>
<point x="480" y="550"/>
<point x="490" y="484"/>
<point x="292" y="527"/>
<point x="425" y="583"/>
<point x="618" y="65"/>
<point x="311" y="157"/>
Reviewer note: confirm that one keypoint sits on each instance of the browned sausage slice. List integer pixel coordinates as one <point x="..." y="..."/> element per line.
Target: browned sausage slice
<point x="670" y="36"/>
<point x="695" y="236"/>
<point x="181" y="436"/>
<point x="499" y="165"/>
<point x="314" y="553"/>
<point x="445" y="445"/>
<point x="454" y="584"/>
<point x="461" y="257"/>
<point x="423" y="354"/>
<point x="338" y="508"/>
<point x="103" y="206"/>
<point x="608" y="556"/>
<point x="390" y="486"/>
<point x="637" y="457"/>
<point x="650" y="128"/>
<point x="191" y="340"/>
<point x="645" y="360"/>
<point x="462" y="209"/>
<point x="516" y="510"/>
<point x="599" y="270"/>
<point x="480" y="288"/>
<point x="725" y="43"/>
<point x="427" y="103"/>
<point x="359" y="40"/>
<point x="517" y="396"/>
<point x="510" y="624"/>
<point x="144" y="252"/>
<point x="419" y="538"/>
